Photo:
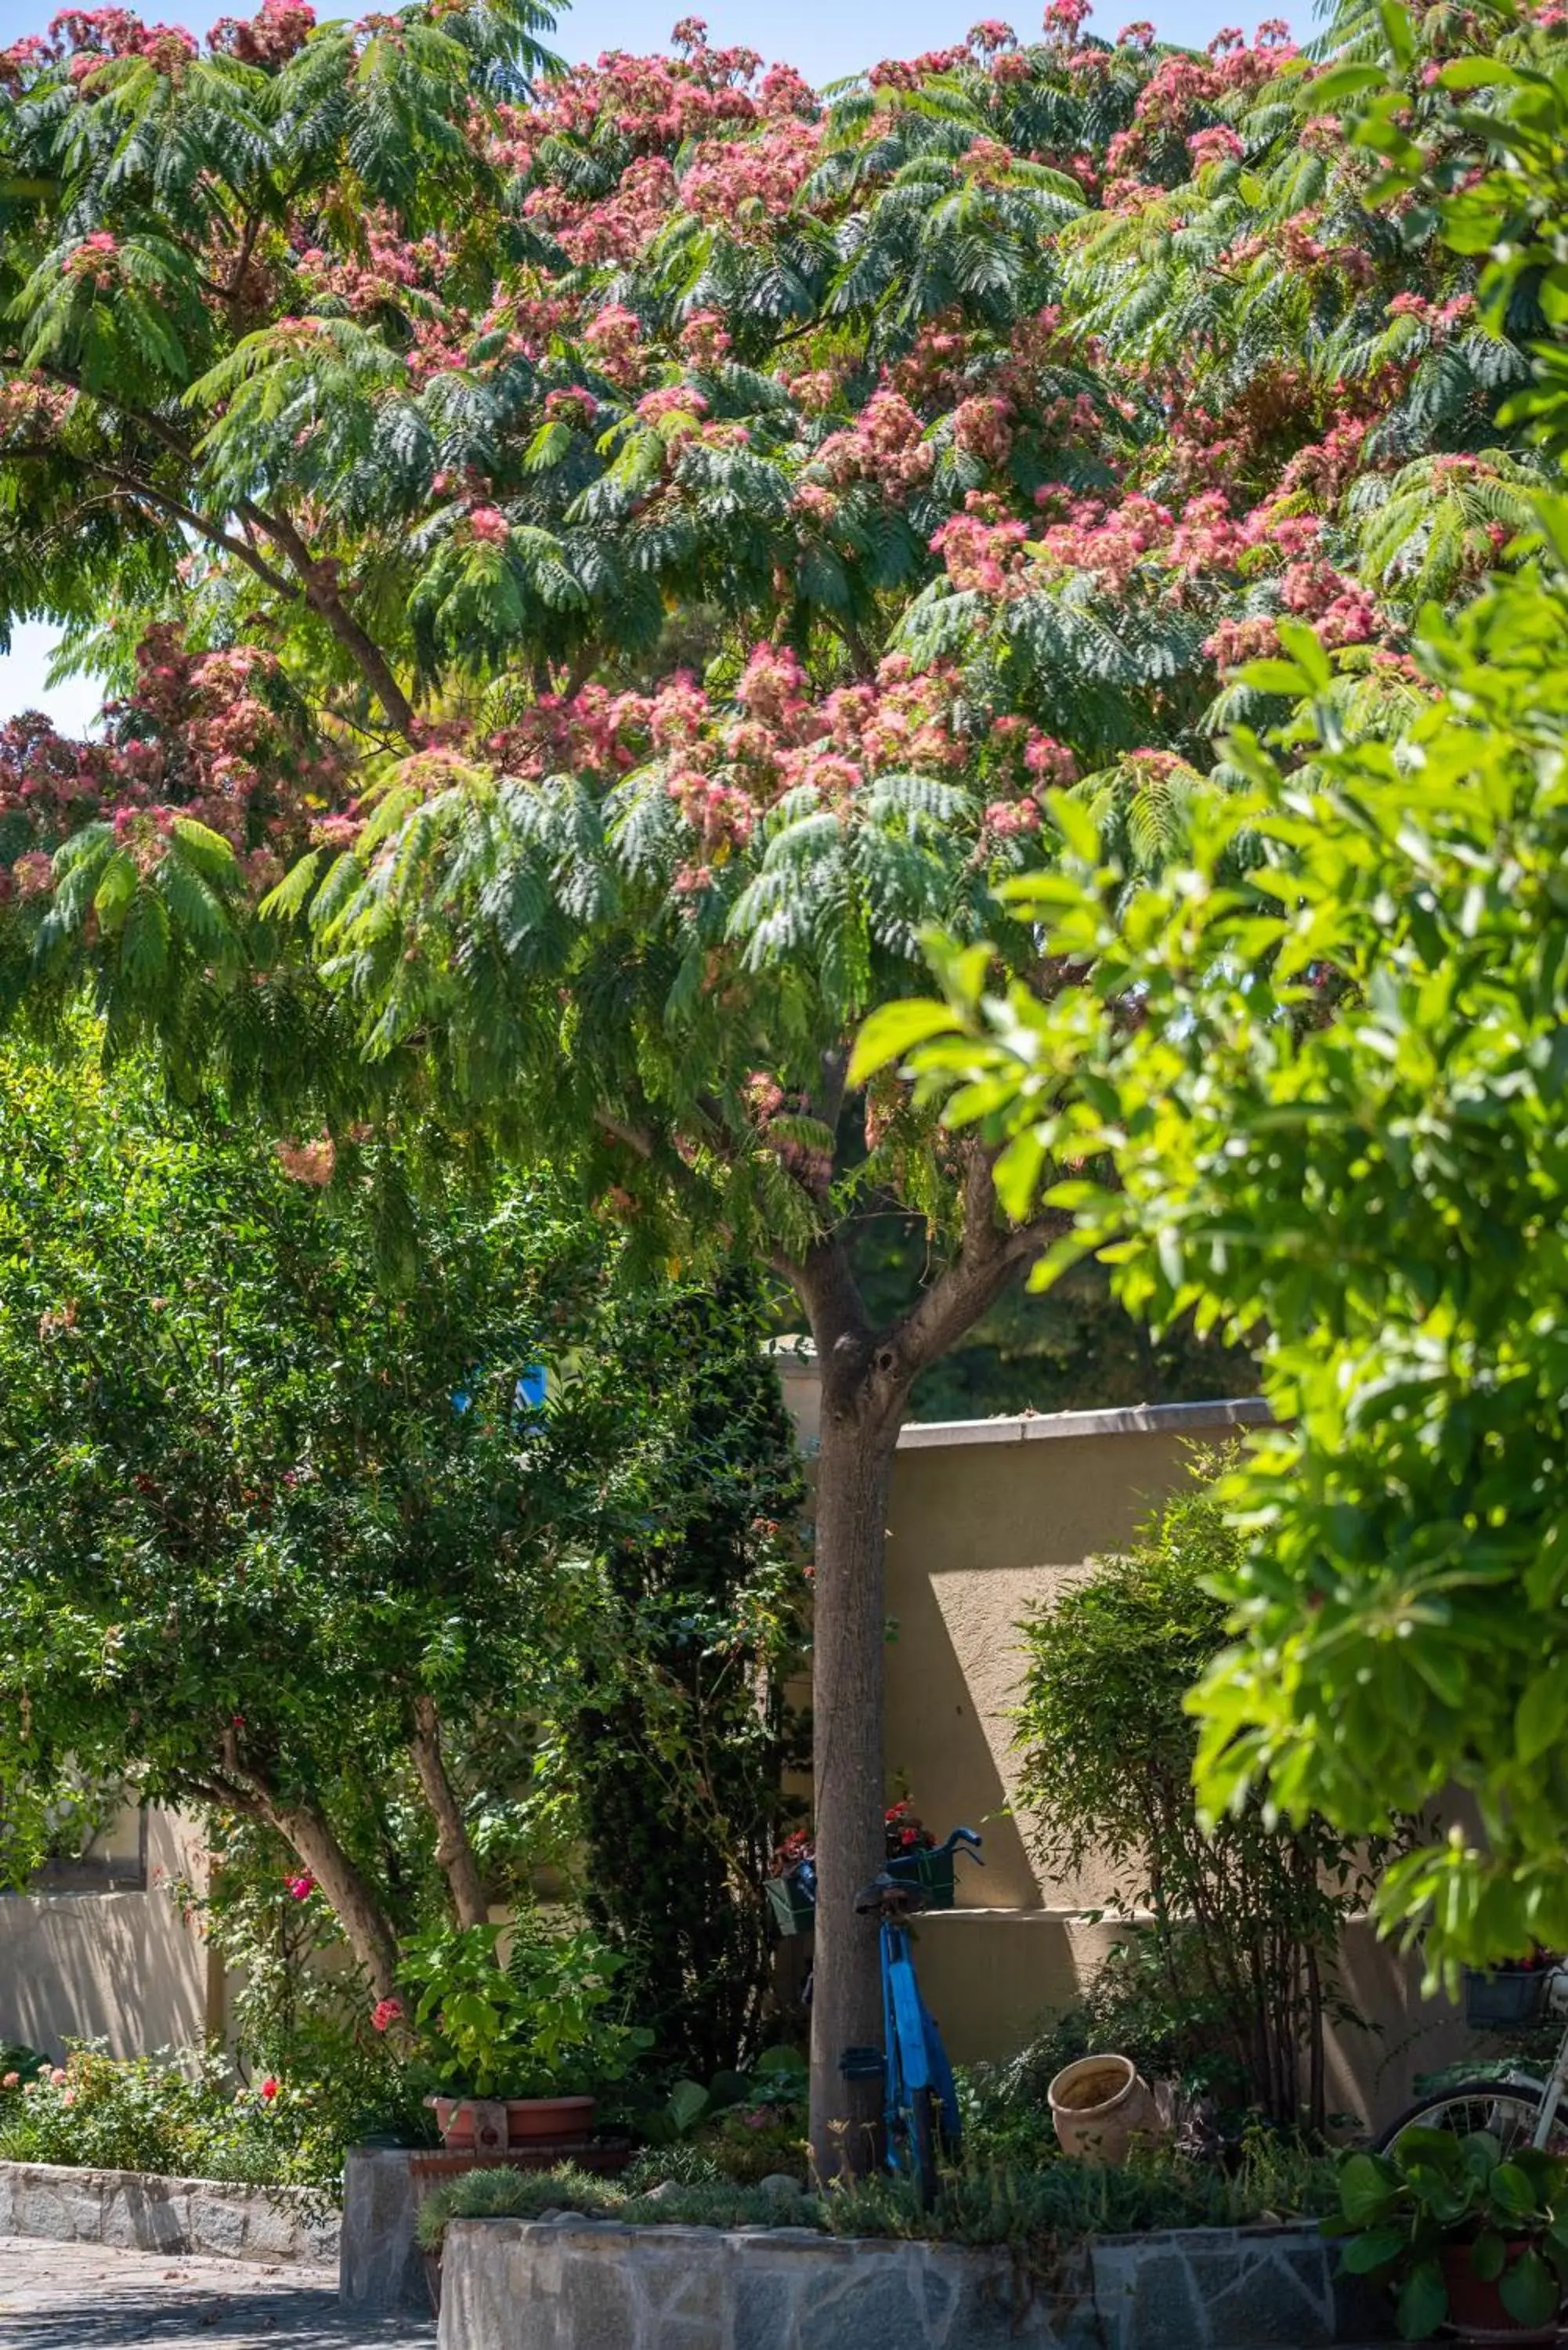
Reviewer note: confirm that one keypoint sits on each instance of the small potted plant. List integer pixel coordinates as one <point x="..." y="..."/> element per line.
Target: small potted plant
<point x="913" y="1853"/>
<point x="1505" y="1998"/>
<point x="518" y="2046"/>
<point x="792" y="1887"/>
<point x="1463" y="2234"/>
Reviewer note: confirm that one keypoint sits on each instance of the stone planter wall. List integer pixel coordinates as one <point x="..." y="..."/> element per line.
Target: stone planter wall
<point x="581" y="2284"/>
<point x="380" y="2268"/>
<point x="145" y="2213"/>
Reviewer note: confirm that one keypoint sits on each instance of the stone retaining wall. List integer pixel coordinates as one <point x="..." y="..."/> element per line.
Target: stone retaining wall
<point x="579" y="2285"/>
<point x="380" y="2268"/>
<point x="142" y="2212"/>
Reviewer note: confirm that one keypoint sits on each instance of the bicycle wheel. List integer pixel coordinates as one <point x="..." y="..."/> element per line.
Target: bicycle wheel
<point x="1508" y="2109"/>
<point x="923" y="2144"/>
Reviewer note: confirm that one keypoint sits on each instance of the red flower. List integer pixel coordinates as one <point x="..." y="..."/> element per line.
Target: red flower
<point x="385" y="2013"/>
<point x="269" y="2089"/>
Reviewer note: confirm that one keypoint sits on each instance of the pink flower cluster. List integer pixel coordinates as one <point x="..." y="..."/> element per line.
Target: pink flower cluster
<point x="270" y="37"/>
<point x="983" y="556"/>
<point x="728" y="180"/>
<point x="886" y="444"/>
<point x="724" y="763"/>
<point x="200" y="735"/>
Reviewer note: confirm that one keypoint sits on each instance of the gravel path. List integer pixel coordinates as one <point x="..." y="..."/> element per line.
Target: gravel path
<point x="60" y="2296"/>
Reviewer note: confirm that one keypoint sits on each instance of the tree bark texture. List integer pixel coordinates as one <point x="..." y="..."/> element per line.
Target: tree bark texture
<point x="848" y="1636"/>
<point x="455" y="1852"/>
<point x="364" y="1922"/>
<point x="866" y="1377"/>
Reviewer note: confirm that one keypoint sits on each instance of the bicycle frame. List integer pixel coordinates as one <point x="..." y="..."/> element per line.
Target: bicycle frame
<point x="1553" y="2090"/>
<point x="916" y="2060"/>
<point x="915" y="2063"/>
<point x="1554" y="2087"/>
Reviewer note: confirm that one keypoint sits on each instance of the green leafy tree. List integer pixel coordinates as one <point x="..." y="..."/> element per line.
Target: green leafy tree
<point x="1331" y="1091"/>
<point x="678" y="1755"/>
<point x="435" y="435"/>
<point x="276" y="1538"/>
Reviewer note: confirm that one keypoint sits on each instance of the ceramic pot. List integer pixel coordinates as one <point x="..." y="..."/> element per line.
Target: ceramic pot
<point x="1475" y="2305"/>
<point x="1099" y="2105"/>
<point x="491" y="2125"/>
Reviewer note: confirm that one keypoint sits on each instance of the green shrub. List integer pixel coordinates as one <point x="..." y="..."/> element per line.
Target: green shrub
<point x="526" y="2194"/>
<point x="1244" y="1919"/>
<point x="1038" y="2213"/>
<point x="686" y="2165"/>
<point x="183" y="2114"/>
<point x="1043" y="2211"/>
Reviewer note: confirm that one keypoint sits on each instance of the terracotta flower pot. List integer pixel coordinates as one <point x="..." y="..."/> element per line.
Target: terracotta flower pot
<point x="1099" y="2105"/>
<point x="490" y="2124"/>
<point x="1476" y="2311"/>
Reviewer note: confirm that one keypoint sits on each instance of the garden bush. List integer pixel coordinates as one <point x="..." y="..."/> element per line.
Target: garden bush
<point x="1245" y="1913"/>
<point x="1147" y="2003"/>
<point x="183" y="2114"/>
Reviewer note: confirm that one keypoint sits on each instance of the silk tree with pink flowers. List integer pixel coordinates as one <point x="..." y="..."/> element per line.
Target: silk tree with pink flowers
<point x="591" y="565"/>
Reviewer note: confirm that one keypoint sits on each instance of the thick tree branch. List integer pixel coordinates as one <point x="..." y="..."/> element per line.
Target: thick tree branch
<point x="988" y="1260"/>
<point x="366" y="1926"/>
<point x="825" y="1285"/>
<point x="636" y="1139"/>
<point x="316" y="582"/>
<point x="455" y="1852"/>
<point x="136" y="485"/>
<point x="318" y="585"/>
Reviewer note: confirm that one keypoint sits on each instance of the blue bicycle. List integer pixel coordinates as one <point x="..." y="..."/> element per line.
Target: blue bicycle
<point x="919" y="2101"/>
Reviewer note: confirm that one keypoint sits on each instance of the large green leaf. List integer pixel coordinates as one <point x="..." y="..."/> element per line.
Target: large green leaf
<point x="1530" y="2290"/>
<point x="1368" y="2185"/>
<point x="1375" y="2250"/>
<point x="1423" y="2302"/>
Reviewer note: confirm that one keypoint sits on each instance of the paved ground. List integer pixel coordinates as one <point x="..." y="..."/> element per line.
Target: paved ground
<point x="68" y="2296"/>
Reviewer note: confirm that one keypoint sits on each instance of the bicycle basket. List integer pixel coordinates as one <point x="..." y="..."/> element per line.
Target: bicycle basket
<point x="1506" y="1999"/>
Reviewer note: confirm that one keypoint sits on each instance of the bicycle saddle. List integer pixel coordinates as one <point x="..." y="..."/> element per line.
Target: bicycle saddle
<point x="891" y="1895"/>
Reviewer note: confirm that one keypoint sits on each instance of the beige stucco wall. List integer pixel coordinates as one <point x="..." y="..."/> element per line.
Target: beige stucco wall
<point x="986" y="1520"/>
<point x="120" y="1966"/>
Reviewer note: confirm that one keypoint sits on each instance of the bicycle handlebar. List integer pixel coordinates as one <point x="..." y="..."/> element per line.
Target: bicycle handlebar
<point x="960" y="1840"/>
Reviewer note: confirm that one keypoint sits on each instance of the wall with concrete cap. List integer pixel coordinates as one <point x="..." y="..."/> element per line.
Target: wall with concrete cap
<point x="988" y="1520"/>
<point x="118" y="1964"/>
<point x="575" y="2285"/>
<point x="140" y="2212"/>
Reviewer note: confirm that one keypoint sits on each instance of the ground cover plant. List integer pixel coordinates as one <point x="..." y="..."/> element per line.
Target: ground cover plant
<point x="592" y="563"/>
<point x="1039" y="2212"/>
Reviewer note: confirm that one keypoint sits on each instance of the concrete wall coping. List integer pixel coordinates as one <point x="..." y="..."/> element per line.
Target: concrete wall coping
<point x="761" y="2236"/>
<point x="1124" y="1420"/>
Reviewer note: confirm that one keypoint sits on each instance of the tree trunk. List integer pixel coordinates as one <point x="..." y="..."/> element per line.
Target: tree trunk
<point x="361" y="1915"/>
<point x="848" y="1631"/>
<point x="455" y="1852"/>
<point x="866" y="1378"/>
